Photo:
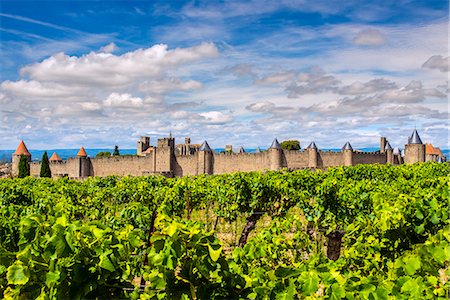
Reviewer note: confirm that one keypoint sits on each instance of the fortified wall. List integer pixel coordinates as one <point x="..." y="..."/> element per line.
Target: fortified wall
<point x="172" y="160"/>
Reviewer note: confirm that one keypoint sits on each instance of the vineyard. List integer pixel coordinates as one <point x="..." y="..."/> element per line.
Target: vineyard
<point x="364" y="232"/>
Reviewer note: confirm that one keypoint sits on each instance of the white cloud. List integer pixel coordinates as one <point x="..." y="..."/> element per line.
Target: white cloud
<point x="123" y="100"/>
<point x="214" y="117"/>
<point x="369" y="37"/>
<point x="438" y="62"/>
<point x="105" y="69"/>
<point x="171" y="84"/>
<point x="111" y="47"/>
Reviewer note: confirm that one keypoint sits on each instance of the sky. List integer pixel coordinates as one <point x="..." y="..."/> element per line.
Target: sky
<point x="103" y="73"/>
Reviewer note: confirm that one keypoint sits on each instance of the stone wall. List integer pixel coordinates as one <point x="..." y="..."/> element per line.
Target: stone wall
<point x="295" y="159"/>
<point x="245" y="162"/>
<point x="122" y="165"/>
<point x="330" y="159"/>
<point x="186" y="165"/>
<point x="368" y="158"/>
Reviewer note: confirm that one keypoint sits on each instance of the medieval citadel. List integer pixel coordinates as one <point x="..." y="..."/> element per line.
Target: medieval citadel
<point x="169" y="159"/>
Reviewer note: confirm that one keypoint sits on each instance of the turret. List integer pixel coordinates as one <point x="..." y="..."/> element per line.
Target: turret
<point x="415" y="149"/>
<point x="389" y="153"/>
<point x="275" y="155"/>
<point x="312" y="155"/>
<point x="142" y="145"/>
<point x="348" y="154"/>
<point x="205" y="159"/>
<point x="21" y="150"/>
<point x="84" y="164"/>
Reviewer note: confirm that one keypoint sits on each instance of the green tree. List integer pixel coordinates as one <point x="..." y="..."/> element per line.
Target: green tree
<point x="290" y="145"/>
<point x="116" y="151"/>
<point x="104" y="154"/>
<point x="45" y="166"/>
<point x="24" y="167"/>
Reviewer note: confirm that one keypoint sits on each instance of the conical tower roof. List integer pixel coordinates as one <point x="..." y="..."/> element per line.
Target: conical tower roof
<point x="241" y="150"/>
<point x="82" y="152"/>
<point x="55" y="157"/>
<point x="388" y="146"/>
<point x="347" y="146"/>
<point x="397" y="151"/>
<point x="312" y="146"/>
<point x="22" y="150"/>
<point x="415" y="138"/>
<point x="275" y="144"/>
<point x="440" y="160"/>
<point x="204" y="147"/>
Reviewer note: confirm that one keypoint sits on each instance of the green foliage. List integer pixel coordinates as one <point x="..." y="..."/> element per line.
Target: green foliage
<point x="290" y="145"/>
<point x="24" y="167"/>
<point x="45" y="166"/>
<point x="89" y="239"/>
<point x="103" y="154"/>
<point x="116" y="151"/>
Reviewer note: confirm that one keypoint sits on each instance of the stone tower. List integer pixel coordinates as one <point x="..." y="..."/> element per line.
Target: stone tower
<point x="142" y="145"/>
<point x="348" y="154"/>
<point x="389" y="153"/>
<point x="21" y="150"/>
<point x="312" y="155"/>
<point x="415" y="149"/>
<point x="275" y="155"/>
<point x="165" y="156"/>
<point x="383" y="144"/>
<point x="83" y="164"/>
<point x="205" y="159"/>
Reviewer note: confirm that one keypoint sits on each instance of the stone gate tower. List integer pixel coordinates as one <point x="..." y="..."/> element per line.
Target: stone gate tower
<point x="415" y="149"/>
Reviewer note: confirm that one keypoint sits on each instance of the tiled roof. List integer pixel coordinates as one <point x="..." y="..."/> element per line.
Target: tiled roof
<point x="22" y="150"/>
<point x="275" y="145"/>
<point x="204" y="147"/>
<point x="312" y="146"/>
<point x="415" y="138"/>
<point x="430" y="150"/>
<point x="82" y="152"/>
<point x="347" y="146"/>
<point x="388" y="146"/>
<point x="55" y="157"/>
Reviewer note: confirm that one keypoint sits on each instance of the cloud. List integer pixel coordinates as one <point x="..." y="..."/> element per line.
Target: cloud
<point x="105" y="69"/>
<point x="274" y="78"/>
<point x="111" y="47"/>
<point x="438" y="62"/>
<point x="369" y="37"/>
<point x="167" y="85"/>
<point x="214" y="117"/>
<point x="123" y="100"/>
<point x="372" y="86"/>
<point x="314" y="82"/>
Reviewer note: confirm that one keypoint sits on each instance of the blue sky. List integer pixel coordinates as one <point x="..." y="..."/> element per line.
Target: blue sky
<point x="101" y="73"/>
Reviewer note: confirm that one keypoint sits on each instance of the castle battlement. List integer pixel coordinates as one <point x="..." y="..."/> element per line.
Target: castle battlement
<point x="170" y="159"/>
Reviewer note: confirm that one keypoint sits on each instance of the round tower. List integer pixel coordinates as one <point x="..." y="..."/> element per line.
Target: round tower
<point x="275" y="155"/>
<point x="415" y="149"/>
<point x="84" y="163"/>
<point x="347" y="150"/>
<point x="312" y="155"/>
<point x="389" y="153"/>
<point x="205" y="159"/>
<point x="21" y="150"/>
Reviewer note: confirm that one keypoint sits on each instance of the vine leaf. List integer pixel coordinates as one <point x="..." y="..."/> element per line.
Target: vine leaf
<point x="16" y="275"/>
<point x="214" y="254"/>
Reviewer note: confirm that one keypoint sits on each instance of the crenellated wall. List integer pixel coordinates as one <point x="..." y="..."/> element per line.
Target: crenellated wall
<point x="245" y="162"/>
<point x="330" y="159"/>
<point x="122" y="165"/>
<point x="369" y="158"/>
<point x="295" y="159"/>
<point x="186" y="165"/>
